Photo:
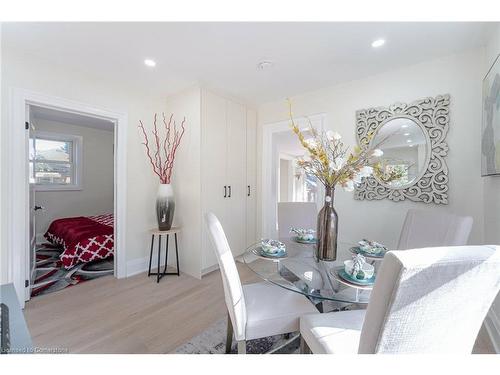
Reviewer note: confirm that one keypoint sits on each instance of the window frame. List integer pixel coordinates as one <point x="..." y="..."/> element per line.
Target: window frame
<point x="76" y="162"/>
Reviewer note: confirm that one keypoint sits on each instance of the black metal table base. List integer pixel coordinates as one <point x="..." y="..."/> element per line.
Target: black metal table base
<point x="159" y="274"/>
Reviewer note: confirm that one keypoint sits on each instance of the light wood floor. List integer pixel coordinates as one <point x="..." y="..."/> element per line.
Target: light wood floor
<point x="136" y="315"/>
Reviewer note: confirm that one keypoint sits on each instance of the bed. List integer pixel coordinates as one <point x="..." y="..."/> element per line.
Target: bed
<point x="84" y="238"/>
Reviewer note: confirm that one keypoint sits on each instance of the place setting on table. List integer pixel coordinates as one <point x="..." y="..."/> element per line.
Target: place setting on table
<point x="360" y="270"/>
<point x="304" y="236"/>
<point x="292" y="263"/>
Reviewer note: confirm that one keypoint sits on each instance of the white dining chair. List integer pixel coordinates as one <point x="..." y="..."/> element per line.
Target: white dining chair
<point x="254" y="310"/>
<point x="430" y="300"/>
<point x="426" y="228"/>
<point x="296" y="215"/>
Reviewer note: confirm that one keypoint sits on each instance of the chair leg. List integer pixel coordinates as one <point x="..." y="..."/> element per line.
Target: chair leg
<point x="229" y="337"/>
<point x="242" y="347"/>
<point x="304" y="348"/>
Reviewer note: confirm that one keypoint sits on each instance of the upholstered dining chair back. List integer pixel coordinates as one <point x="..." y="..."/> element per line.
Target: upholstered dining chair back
<point x="431" y="300"/>
<point x="233" y="291"/>
<point x="425" y="228"/>
<point x="296" y="215"/>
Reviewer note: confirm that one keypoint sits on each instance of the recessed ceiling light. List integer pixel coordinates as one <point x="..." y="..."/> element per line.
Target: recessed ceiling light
<point x="404" y="126"/>
<point x="407" y="134"/>
<point x="409" y="140"/>
<point x="265" y="65"/>
<point x="378" y="43"/>
<point x="150" y="63"/>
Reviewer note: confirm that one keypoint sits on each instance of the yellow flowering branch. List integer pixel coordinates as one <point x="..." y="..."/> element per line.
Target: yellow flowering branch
<point x="328" y="161"/>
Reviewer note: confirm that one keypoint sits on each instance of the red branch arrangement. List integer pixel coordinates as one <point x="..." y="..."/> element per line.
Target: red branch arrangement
<point x="163" y="167"/>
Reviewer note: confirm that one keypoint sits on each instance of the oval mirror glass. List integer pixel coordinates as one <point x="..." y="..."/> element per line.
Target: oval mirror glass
<point x="405" y="154"/>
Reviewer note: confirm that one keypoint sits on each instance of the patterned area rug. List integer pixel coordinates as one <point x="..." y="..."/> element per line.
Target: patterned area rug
<point x="51" y="276"/>
<point x="213" y="341"/>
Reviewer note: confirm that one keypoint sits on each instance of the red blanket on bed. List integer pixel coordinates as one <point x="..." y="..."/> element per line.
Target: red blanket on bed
<point x="84" y="239"/>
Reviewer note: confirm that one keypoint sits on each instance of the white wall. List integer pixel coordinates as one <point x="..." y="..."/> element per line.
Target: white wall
<point x="284" y="181"/>
<point x="29" y="73"/>
<point x="96" y="195"/>
<point x="187" y="179"/>
<point x="491" y="191"/>
<point x="460" y="76"/>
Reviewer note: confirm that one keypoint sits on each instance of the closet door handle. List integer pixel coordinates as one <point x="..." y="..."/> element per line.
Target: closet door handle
<point x="229" y="196"/>
<point x="248" y="191"/>
<point x="225" y="191"/>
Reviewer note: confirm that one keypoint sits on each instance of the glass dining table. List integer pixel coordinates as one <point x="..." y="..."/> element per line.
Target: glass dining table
<point x="299" y="272"/>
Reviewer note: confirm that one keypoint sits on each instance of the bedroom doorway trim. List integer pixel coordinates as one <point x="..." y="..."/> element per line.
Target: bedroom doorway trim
<point x="18" y="202"/>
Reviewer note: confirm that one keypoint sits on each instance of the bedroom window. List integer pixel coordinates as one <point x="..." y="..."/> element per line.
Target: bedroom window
<point x="55" y="161"/>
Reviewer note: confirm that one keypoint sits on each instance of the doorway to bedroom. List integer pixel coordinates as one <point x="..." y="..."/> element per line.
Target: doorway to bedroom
<point x="71" y="198"/>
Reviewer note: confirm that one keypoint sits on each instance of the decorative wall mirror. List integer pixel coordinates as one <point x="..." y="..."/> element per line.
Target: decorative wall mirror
<point x="414" y="149"/>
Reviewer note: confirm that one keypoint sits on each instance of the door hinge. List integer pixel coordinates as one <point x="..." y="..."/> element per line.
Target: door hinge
<point x="26" y="283"/>
<point x="26" y="125"/>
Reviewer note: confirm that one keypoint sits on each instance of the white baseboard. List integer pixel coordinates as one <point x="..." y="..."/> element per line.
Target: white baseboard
<point x="207" y="270"/>
<point x="492" y="324"/>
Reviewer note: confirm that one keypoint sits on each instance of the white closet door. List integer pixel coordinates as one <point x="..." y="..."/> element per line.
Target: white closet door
<point x="251" y="201"/>
<point x="214" y="171"/>
<point x="236" y="166"/>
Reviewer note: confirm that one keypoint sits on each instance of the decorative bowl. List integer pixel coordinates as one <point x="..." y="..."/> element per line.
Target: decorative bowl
<point x="366" y="273"/>
<point x="371" y="247"/>
<point x="378" y="253"/>
<point x="272" y="246"/>
<point x="304" y="234"/>
<point x="307" y="242"/>
<point x="341" y="274"/>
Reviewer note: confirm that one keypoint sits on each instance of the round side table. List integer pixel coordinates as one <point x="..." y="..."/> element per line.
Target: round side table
<point x="155" y="232"/>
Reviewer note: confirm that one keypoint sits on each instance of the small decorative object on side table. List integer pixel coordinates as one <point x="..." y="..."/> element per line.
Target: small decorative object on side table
<point x="160" y="233"/>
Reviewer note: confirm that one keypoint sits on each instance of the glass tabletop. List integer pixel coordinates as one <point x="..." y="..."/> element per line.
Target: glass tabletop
<point x="301" y="273"/>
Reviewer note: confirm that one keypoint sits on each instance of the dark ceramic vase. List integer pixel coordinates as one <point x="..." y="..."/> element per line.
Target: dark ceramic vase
<point x="165" y="206"/>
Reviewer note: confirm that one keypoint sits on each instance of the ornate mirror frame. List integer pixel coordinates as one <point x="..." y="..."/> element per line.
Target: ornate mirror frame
<point x="432" y="115"/>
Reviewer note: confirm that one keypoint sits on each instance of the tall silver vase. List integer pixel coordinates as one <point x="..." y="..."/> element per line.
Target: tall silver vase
<point x="327" y="229"/>
<point x="165" y="206"/>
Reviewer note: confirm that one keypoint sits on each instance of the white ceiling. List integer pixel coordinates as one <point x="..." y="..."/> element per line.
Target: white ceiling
<point x="224" y="56"/>
<point x="70" y="118"/>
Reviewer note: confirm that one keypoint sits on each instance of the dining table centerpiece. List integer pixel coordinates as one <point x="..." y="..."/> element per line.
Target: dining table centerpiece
<point x="161" y="154"/>
<point x="334" y="164"/>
